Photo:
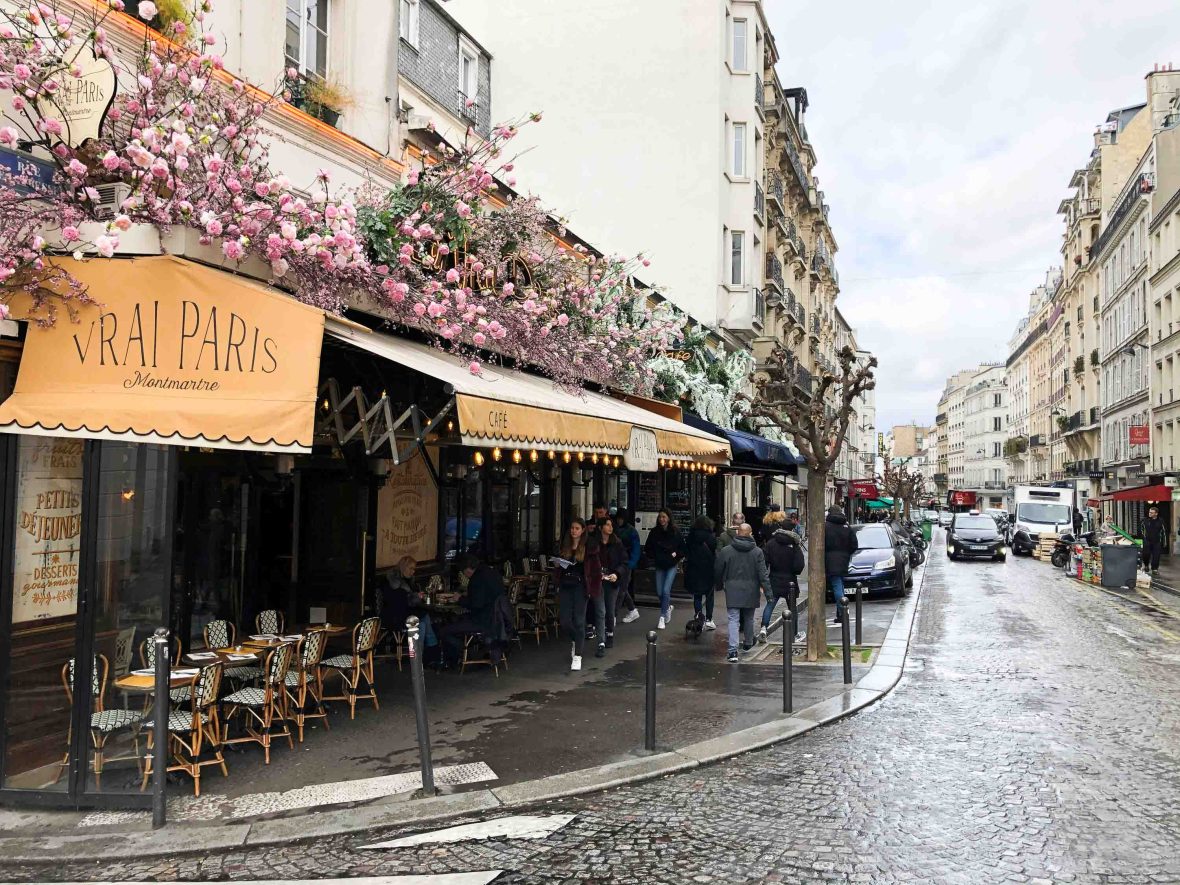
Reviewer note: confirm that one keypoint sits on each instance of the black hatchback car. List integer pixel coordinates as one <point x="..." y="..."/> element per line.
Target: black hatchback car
<point x="881" y="563"/>
<point x="974" y="534"/>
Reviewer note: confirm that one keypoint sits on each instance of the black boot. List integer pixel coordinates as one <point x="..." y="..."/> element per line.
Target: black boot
<point x="610" y="640"/>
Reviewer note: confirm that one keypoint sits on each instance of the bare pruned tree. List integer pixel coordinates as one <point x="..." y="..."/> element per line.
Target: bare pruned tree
<point x="815" y="416"/>
<point x="904" y="486"/>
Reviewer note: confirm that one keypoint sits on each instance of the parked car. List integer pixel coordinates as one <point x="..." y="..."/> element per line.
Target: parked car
<point x="881" y="563"/>
<point x="945" y="517"/>
<point x="1000" y="516"/>
<point x="975" y="534"/>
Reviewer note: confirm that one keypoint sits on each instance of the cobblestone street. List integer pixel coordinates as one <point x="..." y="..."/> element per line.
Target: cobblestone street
<point x="1034" y="739"/>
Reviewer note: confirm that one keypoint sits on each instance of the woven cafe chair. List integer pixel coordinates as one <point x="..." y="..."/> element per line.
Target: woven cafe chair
<point x="147" y="659"/>
<point x="262" y="709"/>
<point x="269" y="621"/>
<point x="304" y="683"/>
<point x="103" y="722"/>
<point x="351" y="668"/>
<point x="191" y="731"/>
<point x="223" y="634"/>
<point x="526" y="612"/>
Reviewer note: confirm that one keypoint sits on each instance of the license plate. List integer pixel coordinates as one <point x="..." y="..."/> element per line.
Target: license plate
<point x="977" y="547"/>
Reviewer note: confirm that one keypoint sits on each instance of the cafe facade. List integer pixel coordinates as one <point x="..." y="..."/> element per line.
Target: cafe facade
<point x="193" y="445"/>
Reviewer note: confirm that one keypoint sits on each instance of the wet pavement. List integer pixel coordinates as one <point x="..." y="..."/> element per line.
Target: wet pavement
<point x="1034" y="738"/>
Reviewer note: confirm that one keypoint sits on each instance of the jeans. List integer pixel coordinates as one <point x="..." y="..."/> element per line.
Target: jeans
<point x="836" y="585"/>
<point x="571" y="611"/>
<point x="743" y="617"/>
<point x="705" y="601"/>
<point x="664" y="580"/>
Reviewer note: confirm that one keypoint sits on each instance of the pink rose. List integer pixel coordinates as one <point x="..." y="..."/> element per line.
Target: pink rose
<point x="147" y="10"/>
<point x="233" y="250"/>
<point x="480" y="339"/>
<point x="452" y="276"/>
<point x="70" y="234"/>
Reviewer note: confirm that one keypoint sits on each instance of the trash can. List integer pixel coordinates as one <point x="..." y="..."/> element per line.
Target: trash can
<point x="927" y="530"/>
<point x="1120" y="562"/>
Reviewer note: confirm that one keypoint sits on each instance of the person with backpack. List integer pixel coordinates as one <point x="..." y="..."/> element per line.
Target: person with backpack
<point x="665" y="548"/>
<point x="839" y="545"/>
<point x="629" y="538"/>
<point x="785" y="560"/>
<point x="741" y="572"/>
<point x="699" y="560"/>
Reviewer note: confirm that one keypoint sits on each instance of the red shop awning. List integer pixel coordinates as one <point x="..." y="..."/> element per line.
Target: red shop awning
<point x="1154" y="494"/>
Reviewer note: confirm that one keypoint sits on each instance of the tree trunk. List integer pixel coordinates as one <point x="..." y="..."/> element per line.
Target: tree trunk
<point x="817" y="579"/>
<point x="906" y="504"/>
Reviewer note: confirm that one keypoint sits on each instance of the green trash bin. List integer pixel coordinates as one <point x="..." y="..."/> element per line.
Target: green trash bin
<point x="927" y="530"/>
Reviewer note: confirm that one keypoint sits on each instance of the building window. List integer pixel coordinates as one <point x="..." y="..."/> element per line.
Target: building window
<point x="996" y="423"/>
<point x="739" y="150"/>
<point x="468" y="70"/>
<point x="996" y="400"/>
<point x="995" y="450"/>
<point x="408" y="21"/>
<point x="737" y="257"/>
<point x="306" y="47"/>
<point x="740" y="33"/>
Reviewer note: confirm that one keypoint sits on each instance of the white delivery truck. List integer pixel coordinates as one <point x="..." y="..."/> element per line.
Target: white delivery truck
<point x="1039" y="509"/>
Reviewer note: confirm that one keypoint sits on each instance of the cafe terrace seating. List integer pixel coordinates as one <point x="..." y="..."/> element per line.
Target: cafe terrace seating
<point x="103" y="722"/>
<point x="147" y="658"/>
<point x="352" y="668"/>
<point x="223" y="634"/>
<point x="304" y="682"/>
<point x="269" y="621"/>
<point x="189" y="731"/>
<point x="262" y="708"/>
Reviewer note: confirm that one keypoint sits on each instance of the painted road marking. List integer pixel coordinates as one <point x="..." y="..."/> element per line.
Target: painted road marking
<point x="212" y="807"/>
<point x="521" y="826"/>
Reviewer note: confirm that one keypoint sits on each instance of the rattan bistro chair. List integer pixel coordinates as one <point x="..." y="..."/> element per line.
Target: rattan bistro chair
<point x="222" y="634"/>
<point x="263" y="709"/>
<point x="103" y="722"/>
<point x="269" y="621"/>
<point x="304" y="684"/>
<point x="351" y="668"/>
<point x="192" y="731"/>
<point x="528" y="614"/>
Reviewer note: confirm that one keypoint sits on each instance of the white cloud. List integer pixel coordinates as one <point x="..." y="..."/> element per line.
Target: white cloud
<point x="946" y="135"/>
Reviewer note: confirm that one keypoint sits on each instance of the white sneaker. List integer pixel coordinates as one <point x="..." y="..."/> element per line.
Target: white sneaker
<point x="576" y="662"/>
<point x="709" y="625"/>
<point x="800" y="636"/>
<point x="633" y="615"/>
<point x="671" y="608"/>
<point x="662" y="624"/>
<point x="762" y="635"/>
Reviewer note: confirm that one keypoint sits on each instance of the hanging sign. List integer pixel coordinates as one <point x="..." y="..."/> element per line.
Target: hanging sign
<point x="1139" y="434"/>
<point x="82" y="102"/>
<point x="642" y="452"/>
<point x="407" y="513"/>
<point x="48" y="529"/>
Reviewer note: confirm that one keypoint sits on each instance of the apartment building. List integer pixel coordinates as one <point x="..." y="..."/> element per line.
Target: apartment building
<point x="1027" y="372"/>
<point x="1164" y="282"/>
<point x="985" y="410"/>
<point x="939" y="474"/>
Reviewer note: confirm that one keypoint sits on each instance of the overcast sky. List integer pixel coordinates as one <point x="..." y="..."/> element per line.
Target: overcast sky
<point x="946" y="135"/>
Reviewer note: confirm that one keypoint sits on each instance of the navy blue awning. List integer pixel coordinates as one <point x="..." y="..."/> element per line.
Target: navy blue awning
<point x="750" y="448"/>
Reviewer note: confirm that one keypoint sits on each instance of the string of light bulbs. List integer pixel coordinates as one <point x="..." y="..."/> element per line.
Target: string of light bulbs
<point x="533" y="456"/>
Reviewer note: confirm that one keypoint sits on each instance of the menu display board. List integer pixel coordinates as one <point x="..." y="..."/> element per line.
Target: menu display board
<point x="678" y="493"/>
<point x="649" y="498"/>
<point x="49" y="529"/>
<point x="407" y="513"/>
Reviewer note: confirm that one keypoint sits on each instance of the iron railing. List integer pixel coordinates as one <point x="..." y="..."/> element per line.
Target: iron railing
<point x="759" y="201"/>
<point x="774" y="272"/>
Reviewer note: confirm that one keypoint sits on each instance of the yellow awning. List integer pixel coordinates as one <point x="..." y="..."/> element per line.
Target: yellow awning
<point x="171" y="352"/>
<point x="507" y="407"/>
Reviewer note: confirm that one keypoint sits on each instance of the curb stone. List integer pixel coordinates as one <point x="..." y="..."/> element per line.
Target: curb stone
<point x="883" y="676"/>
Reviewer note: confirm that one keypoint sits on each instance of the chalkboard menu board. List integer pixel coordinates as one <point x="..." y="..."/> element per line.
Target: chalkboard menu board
<point x="678" y="492"/>
<point x="649" y="498"/>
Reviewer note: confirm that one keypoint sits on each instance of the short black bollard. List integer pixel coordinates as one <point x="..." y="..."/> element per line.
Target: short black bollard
<point x="788" y="663"/>
<point x="649" y="721"/>
<point x="859" y="593"/>
<point x="418" y="681"/>
<point x="160" y="728"/>
<point x="847" y="646"/>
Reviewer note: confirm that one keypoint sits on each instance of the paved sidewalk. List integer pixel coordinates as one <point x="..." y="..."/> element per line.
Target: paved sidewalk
<point x="537" y="730"/>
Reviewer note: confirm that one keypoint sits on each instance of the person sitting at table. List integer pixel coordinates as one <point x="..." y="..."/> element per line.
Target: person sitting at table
<point x="485" y="586"/>
<point x="400" y="599"/>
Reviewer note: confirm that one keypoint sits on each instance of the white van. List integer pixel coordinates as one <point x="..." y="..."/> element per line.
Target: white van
<point x="1039" y="509"/>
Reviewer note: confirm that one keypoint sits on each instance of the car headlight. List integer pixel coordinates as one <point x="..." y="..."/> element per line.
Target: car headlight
<point x="886" y="563"/>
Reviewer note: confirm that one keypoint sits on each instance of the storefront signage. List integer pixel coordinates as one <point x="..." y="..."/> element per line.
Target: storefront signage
<point x="48" y="529"/>
<point x="1139" y="434"/>
<point x="26" y="174"/>
<point x="683" y="356"/>
<point x="172" y="348"/>
<point x="962" y="499"/>
<point x="863" y="488"/>
<point x="407" y="513"/>
<point x="642" y="452"/>
<point x="83" y="101"/>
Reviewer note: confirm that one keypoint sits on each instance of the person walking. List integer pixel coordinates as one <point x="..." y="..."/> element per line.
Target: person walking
<point x="740" y="570"/>
<point x="665" y="547"/>
<point x="731" y="531"/>
<point x="839" y="545"/>
<point x="612" y="558"/>
<point x="1077" y="522"/>
<point x="576" y="569"/>
<point x="629" y="538"/>
<point x="699" y="560"/>
<point x="1155" y="536"/>
<point x="784" y="559"/>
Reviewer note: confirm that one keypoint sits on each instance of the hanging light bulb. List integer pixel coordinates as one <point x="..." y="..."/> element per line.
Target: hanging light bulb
<point x="552" y="455"/>
<point x="533" y="456"/>
<point x="662" y="463"/>
<point x="450" y="426"/>
<point x="594" y="458"/>
<point x="616" y="460"/>
<point x="516" y="456"/>
<point x="581" y="457"/>
<point x="497" y="454"/>
<point x="565" y="457"/>
<point x="477" y="459"/>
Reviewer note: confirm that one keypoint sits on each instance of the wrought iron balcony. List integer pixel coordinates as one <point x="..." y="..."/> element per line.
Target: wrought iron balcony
<point x="758" y="96"/>
<point x="1037" y="440"/>
<point x="759" y="201"/>
<point x="774" y="273"/>
<point x="803" y="379"/>
<point x="1093" y="415"/>
<point x="758" y="307"/>
<point x="774" y="190"/>
<point x="1143" y="184"/>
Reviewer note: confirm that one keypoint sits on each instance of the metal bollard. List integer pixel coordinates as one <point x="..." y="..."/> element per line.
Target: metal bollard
<point x="160" y="711"/>
<point x="649" y="722"/>
<point x="859" y="593"/>
<point x="418" y="681"/>
<point x="789" y="620"/>
<point x="847" y="647"/>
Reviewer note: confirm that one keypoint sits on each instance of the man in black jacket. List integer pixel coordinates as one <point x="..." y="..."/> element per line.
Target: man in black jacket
<point x="1155" y="535"/>
<point x="839" y="545"/>
<point x="484" y="587"/>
